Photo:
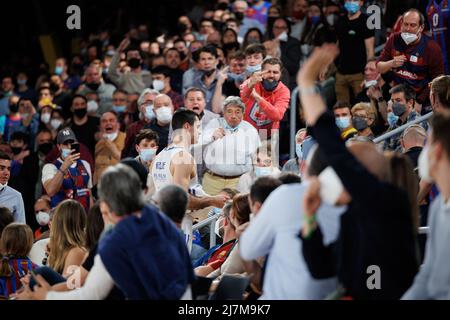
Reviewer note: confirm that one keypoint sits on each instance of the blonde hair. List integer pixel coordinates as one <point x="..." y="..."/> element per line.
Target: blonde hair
<point x="440" y="86"/>
<point x="367" y="107"/>
<point x="66" y="232"/>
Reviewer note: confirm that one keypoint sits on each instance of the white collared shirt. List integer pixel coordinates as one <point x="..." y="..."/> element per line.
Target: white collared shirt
<point x="232" y="154"/>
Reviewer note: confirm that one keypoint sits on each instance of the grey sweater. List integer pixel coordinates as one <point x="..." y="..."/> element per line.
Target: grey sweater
<point x="433" y="280"/>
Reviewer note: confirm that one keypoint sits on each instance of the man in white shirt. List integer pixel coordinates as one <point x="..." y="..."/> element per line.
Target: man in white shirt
<point x="274" y="232"/>
<point x="9" y="197"/>
<point x="229" y="144"/>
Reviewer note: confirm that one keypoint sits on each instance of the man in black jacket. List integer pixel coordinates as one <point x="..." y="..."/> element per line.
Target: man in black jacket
<point x="375" y="256"/>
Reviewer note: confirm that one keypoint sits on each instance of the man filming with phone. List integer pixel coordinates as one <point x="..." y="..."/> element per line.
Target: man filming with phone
<point x="68" y="177"/>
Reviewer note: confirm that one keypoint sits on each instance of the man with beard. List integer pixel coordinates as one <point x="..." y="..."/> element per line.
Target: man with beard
<point x="95" y="83"/>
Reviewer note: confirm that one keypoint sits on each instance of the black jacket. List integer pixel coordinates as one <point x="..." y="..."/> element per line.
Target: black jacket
<point x="376" y="230"/>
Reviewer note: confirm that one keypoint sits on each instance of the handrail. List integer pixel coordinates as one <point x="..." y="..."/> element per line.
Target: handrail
<point x="293" y="110"/>
<point x="211" y="221"/>
<point x="402" y="128"/>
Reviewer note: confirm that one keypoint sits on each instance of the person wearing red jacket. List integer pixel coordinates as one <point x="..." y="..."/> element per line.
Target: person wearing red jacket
<point x="266" y="99"/>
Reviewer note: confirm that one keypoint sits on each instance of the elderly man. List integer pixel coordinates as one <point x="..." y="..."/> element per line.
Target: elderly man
<point x="412" y="57"/>
<point x="229" y="144"/>
<point x="95" y="83"/>
<point x="163" y="108"/>
<point x="134" y="80"/>
<point x="195" y="100"/>
<point x="109" y="148"/>
<point x="146" y="115"/>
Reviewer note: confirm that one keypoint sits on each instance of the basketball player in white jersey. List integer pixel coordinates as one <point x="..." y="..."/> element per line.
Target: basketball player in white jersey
<point x="176" y="165"/>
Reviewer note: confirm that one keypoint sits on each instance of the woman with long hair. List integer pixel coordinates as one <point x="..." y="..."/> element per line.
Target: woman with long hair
<point x="67" y="237"/>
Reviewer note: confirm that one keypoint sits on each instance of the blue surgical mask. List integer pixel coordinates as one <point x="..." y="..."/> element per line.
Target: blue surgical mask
<point x="299" y="150"/>
<point x="147" y="154"/>
<point x="149" y="113"/>
<point x="269" y="85"/>
<point x="59" y="70"/>
<point x="239" y="78"/>
<point x="230" y="128"/>
<point x="343" y="122"/>
<point x="22" y="82"/>
<point x="315" y="20"/>
<point x="262" y="171"/>
<point x="392" y="119"/>
<point x="352" y="7"/>
<point x="65" y="153"/>
<point x="120" y="109"/>
<point x="253" y="69"/>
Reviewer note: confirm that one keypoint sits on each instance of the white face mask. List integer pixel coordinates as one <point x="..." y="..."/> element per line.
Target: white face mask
<point x="331" y="186"/>
<point x="424" y="165"/>
<point x="158" y="85"/>
<point x="149" y="113"/>
<point x="409" y="37"/>
<point x="92" y="106"/>
<point x="164" y="114"/>
<point x="55" y="123"/>
<point x="45" y="117"/>
<point x="283" y="36"/>
<point x="111" y="136"/>
<point x="42" y="218"/>
<point x="370" y="83"/>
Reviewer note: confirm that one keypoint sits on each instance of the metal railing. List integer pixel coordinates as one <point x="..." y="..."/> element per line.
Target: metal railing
<point x="211" y="221"/>
<point x="402" y="128"/>
<point x="293" y="122"/>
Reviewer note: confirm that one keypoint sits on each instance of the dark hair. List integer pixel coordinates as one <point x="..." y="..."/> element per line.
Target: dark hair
<point x="146" y="134"/>
<point x="255" y="48"/>
<point x="318" y="162"/>
<point x="194" y="89"/>
<point x="289" y="178"/>
<point x="20" y="136"/>
<point x="94" y="226"/>
<point x="120" y="91"/>
<point x="138" y="168"/>
<point x="173" y="201"/>
<point x="342" y="105"/>
<point x="272" y="61"/>
<point x="262" y="188"/>
<point x="171" y="49"/>
<point x="406" y="89"/>
<point x="78" y="96"/>
<point x="238" y="55"/>
<point x="6" y="218"/>
<point x="44" y="88"/>
<point x="230" y="192"/>
<point x="4" y="156"/>
<point x="182" y="116"/>
<point x="440" y="124"/>
<point x="44" y="130"/>
<point x="288" y="24"/>
<point x="229" y="30"/>
<point x="261" y="37"/>
<point x="163" y="69"/>
<point x="241" y="208"/>
<point x="209" y="49"/>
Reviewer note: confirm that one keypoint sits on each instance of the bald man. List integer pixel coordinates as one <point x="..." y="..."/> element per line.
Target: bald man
<point x="163" y="109"/>
<point x="412" y="141"/>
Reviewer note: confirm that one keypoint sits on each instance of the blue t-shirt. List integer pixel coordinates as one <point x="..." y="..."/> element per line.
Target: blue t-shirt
<point x="147" y="257"/>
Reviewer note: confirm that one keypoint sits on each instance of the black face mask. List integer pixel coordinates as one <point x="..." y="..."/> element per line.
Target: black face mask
<point x="239" y="16"/>
<point x="134" y="63"/>
<point x="218" y="25"/>
<point x="208" y="73"/>
<point x="16" y="150"/>
<point x="269" y="85"/>
<point x="359" y="123"/>
<point x="182" y="28"/>
<point x="80" y="113"/>
<point x="45" y="148"/>
<point x="13" y="108"/>
<point x="54" y="87"/>
<point x="93" y="86"/>
<point x="182" y="55"/>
